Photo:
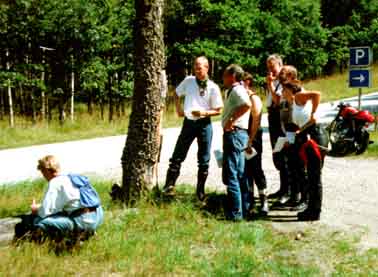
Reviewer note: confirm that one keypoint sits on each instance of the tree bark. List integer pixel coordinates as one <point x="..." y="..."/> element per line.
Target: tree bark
<point x="142" y="144"/>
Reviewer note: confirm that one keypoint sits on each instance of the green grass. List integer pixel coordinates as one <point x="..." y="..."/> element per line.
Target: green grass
<point x="372" y="151"/>
<point x="335" y="87"/>
<point x="178" y="238"/>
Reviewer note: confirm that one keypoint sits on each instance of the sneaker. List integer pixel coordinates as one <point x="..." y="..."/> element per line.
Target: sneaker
<point x="300" y="207"/>
<point x="284" y="199"/>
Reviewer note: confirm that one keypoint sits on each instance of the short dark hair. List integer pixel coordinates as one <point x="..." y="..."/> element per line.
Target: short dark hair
<point x="236" y="71"/>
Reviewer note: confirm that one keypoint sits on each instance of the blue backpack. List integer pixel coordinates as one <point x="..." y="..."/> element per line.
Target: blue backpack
<point x="88" y="195"/>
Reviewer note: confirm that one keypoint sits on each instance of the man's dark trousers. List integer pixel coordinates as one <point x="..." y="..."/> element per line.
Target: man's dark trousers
<point x="279" y="159"/>
<point x="201" y="130"/>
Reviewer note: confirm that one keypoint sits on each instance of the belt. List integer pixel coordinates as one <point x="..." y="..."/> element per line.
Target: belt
<point x="82" y="211"/>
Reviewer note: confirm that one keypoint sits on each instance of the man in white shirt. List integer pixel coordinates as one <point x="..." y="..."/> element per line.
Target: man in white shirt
<point x="61" y="211"/>
<point x="202" y="101"/>
<point x="235" y="121"/>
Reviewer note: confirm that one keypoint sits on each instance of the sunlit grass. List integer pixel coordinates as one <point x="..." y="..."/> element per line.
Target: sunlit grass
<point x="336" y="86"/>
<point x="179" y="238"/>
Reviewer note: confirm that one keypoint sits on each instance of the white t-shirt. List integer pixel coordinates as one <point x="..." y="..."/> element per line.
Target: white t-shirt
<point x="237" y="97"/>
<point x="60" y="196"/>
<point x="212" y="98"/>
<point x="278" y="91"/>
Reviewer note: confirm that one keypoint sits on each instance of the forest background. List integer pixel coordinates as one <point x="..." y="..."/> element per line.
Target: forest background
<point x="74" y="58"/>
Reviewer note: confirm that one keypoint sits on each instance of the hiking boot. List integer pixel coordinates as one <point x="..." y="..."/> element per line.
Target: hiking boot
<point x="170" y="182"/>
<point x="201" y="180"/>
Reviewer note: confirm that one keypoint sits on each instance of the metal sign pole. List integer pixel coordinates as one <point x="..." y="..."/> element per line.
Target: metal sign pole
<point x="359" y="98"/>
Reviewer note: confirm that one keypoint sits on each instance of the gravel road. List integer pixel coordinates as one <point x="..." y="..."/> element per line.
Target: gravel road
<point x="350" y="185"/>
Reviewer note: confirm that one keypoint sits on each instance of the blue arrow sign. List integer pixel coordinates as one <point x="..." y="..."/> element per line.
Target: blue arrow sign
<point x="360" y="56"/>
<point x="359" y="78"/>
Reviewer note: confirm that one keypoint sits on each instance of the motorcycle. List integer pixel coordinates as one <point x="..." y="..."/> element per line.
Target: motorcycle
<point x="348" y="132"/>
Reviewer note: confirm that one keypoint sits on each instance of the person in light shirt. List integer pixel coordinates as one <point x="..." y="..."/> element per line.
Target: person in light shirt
<point x="60" y="211"/>
<point x="202" y="100"/>
<point x="235" y="123"/>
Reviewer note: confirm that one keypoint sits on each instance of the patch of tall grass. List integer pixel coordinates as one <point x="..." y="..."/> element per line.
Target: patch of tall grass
<point x="179" y="238"/>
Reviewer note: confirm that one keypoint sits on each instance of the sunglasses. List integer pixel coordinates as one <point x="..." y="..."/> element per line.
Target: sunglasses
<point x="202" y="92"/>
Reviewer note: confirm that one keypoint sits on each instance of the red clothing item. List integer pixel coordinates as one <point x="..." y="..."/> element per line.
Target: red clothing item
<point x="302" y="152"/>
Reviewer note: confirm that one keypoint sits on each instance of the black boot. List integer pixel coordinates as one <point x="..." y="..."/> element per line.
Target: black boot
<point x="170" y="181"/>
<point x="201" y="180"/>
<point x="315" y="190"/>
<point x="264" y="208"/>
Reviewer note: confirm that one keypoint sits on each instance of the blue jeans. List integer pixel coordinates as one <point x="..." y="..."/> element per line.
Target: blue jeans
<point x="201" y="130"/>
<point x="64" y="224"/>
<point x="233" y="173"/>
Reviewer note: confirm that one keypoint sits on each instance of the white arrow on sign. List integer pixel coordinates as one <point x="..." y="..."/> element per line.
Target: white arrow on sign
<point x="361" y="78"/>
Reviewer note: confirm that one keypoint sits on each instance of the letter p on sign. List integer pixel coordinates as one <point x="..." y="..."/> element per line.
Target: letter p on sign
<point x="360" y="56"/>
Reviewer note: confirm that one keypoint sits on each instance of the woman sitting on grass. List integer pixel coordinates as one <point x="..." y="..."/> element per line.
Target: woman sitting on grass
<point x="62" y="211"/>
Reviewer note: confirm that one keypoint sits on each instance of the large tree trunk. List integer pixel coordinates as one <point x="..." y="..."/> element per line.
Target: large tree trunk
<point x="142" y="144"/>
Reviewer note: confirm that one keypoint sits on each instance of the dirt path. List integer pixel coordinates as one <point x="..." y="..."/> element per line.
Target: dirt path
<point x="350" y="185"/>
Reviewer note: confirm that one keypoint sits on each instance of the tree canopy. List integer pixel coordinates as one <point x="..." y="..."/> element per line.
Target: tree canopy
<point x="94" y="39"/>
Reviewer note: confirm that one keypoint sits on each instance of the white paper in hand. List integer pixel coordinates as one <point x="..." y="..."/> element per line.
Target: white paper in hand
<point x="281" y="141"/>
<point x="249" y="156"/>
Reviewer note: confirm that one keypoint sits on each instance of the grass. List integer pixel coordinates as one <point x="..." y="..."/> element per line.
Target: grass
<point x="179" y="238"/>
<point x="372" y="151"/>
<point x="335" y="87"/>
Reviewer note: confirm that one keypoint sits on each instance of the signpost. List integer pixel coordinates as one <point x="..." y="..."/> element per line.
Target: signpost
<point x="359" y="73"/>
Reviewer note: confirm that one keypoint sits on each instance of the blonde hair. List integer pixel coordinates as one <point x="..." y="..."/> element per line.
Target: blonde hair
<point x="275" y="58"/>
<point x="201" y="59"/>
<point x="287" y="73"/>
<point x="49" y="163"/>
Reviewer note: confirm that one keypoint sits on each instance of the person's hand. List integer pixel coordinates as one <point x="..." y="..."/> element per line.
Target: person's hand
<point x="199" y="113"/>
<point x="270" y="78"/>
<point x="229" y="126"/>
<point x="34" y="207"/>
<point x="180" y="113"/>
<point x="249" y="149"/>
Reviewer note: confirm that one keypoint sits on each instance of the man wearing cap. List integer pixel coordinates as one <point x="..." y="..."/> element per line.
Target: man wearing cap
<point x="202" y="101"/>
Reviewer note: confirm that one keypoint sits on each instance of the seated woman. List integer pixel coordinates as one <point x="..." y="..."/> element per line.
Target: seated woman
<point x="62" y="211"/>
<point x="309" y="139"/>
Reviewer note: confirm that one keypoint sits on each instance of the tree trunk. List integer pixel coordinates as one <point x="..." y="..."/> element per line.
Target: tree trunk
<point x="110" y="95"/>
<point x="10" y="101"/>
<point x="72" y="102"/>
<point x="142" y="144"/>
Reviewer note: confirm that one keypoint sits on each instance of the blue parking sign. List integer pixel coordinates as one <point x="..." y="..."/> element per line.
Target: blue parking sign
<point x="359" y="78"/>
<point x="360" y="56"/>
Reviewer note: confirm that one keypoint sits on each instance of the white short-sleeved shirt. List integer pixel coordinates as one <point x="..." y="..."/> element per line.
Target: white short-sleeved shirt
<point x="60" y="196"/>
<point x="194" y="101"/>
<point x="237" y="97"/>
<point x="278" y="91"/>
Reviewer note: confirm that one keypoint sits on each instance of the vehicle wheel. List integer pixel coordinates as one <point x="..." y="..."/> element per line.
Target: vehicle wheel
<point x="363" y="143"/>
